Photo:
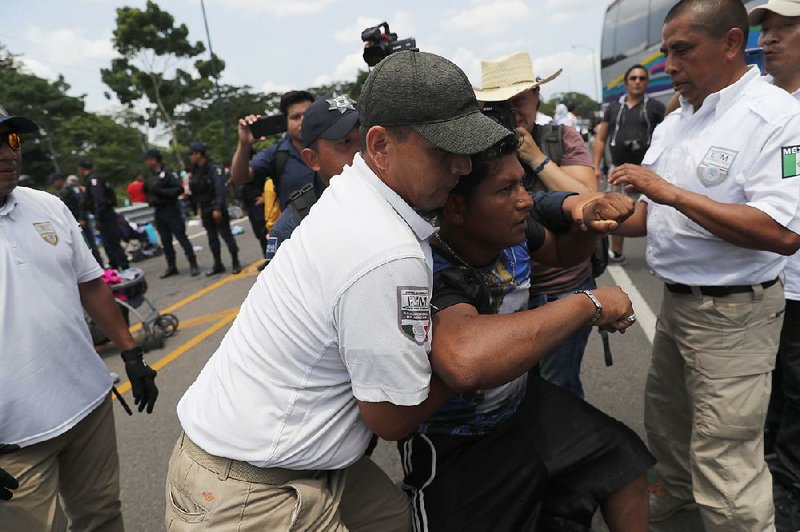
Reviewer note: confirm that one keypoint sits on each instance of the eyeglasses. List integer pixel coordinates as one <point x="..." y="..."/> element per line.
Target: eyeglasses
<point x="637" y="78"/>
<point x="12" y="139"/>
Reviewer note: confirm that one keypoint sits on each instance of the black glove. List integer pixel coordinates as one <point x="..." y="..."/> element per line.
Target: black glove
<point x="142" y="377"/>
<point x="7" y="482"/>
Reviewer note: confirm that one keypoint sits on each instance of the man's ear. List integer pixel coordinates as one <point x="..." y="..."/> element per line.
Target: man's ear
<point x="378" y="145"/>
<point x="455" y="209"/>
<point x="311" y="158"/>
<point x="734" y="43"/>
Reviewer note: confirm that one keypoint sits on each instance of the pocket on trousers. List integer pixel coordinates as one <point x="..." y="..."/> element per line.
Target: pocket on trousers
<point x="184" y="507"/>
<point x="316" y="506"/>
<point x="733" y="394"/>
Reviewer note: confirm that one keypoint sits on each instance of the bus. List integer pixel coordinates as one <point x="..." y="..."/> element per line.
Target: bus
<point x="632" y="34"/>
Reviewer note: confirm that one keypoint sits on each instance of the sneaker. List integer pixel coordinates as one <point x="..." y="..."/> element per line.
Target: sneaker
<point x="787" y="508"/>
<point x="663" y="505"/>
<point x="616" y="258"/>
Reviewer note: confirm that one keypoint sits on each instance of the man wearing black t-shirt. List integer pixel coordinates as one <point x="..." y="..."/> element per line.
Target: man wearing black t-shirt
<point x="627" y="127"/>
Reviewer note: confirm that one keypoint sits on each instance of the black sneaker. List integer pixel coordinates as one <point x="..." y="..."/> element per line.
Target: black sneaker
<point x="616" y="258"/>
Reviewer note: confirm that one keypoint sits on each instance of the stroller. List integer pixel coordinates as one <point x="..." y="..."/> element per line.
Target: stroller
<point x="129" y="288"/>
<point x="140" y="239"/>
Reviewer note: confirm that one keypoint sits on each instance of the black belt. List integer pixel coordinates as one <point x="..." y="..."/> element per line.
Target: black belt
<point x="717" y="291"/>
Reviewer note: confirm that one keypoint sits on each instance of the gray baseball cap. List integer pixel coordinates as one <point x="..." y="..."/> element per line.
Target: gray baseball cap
<point x="434" y="97"/>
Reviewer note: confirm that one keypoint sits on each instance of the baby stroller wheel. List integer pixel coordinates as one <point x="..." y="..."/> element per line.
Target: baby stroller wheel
<point x="166" y="325"/>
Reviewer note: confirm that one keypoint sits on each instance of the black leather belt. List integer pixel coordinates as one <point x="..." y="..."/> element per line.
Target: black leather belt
<point x="717" y="291"/>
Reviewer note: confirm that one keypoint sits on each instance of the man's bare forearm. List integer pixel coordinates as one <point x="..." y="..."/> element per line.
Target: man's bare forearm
<point x="240" y="165"/>
<point x="98" y="301"/>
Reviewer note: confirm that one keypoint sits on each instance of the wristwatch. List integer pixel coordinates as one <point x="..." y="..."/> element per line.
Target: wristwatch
<point x="598" y="308"/>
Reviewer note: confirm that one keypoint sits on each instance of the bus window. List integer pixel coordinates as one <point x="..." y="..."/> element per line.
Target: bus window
<point x="631" y="27"/>
<point x="658" y="12"/>
<point x="607" y="51"/>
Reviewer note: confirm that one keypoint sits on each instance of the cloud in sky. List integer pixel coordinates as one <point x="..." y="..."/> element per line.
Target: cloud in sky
<point x="563" y="10"/>
<point x="484" y="17"/>
<point x="69" y="47"/>
<point x="280" y="8"/>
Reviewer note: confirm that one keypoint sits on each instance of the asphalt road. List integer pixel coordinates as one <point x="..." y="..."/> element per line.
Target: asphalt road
<point x="207" y="306"/>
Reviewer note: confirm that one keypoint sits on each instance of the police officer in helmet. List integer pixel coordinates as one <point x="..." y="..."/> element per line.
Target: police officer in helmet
<point x="163" y="188"/>
<point x="207" y="186"/>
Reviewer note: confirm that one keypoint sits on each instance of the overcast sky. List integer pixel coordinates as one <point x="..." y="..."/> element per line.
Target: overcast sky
<point x="275" y="45"/>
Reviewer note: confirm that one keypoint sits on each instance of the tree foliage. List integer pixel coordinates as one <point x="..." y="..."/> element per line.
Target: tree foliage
<point x="584" y="105"/>
<point x="155" y="65"/>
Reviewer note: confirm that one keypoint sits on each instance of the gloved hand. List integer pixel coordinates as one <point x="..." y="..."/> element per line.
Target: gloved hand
<point x="7" y="482"/>
<point x="142" y="377"/>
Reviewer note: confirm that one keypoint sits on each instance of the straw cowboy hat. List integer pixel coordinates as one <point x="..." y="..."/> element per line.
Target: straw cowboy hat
<point x="508" y="76"/>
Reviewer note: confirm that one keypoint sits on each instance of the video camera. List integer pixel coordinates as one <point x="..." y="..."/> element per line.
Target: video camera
<point x="502" y="113"/>
<point x="383" y="43"/>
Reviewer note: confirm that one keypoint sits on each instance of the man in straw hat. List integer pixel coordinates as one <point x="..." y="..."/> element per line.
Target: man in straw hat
<point x="555" y="158"/>
<point x="780" y="38"/>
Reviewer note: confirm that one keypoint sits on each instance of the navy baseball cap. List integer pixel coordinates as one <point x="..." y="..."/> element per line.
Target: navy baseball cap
<point x="153" y="153"/>
<point x="331" y="117"/>
<point x="18" y="124"/>
<point x="198" y="146"/>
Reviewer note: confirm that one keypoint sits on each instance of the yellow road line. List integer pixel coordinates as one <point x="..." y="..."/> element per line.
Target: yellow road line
<point x="185" y="347"/>
<point x="248" y="271"/>
<point x="206" y="318"/>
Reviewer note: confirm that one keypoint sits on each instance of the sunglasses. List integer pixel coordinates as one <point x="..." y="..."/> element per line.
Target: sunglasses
<point x="637" y="78"/>
<point x="12" y="139"/>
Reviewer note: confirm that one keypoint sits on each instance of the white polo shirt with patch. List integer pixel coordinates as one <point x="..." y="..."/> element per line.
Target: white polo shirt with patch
<point x="792" y="271"/>
<point x="741" y="147"/>
<point x="50" y="375"/>
<point x="341" y="314"/>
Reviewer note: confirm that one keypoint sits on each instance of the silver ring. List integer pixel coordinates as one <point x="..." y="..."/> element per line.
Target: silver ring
<point x="631" y="318"/>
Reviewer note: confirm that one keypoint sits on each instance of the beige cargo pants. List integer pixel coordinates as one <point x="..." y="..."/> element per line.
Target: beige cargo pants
<point x="706" y="401"/>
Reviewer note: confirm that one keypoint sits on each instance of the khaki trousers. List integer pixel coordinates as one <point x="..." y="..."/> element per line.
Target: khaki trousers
<point x="706" y="401"/>
<point x="81" y="466"/>
<point x="358" y="498"/>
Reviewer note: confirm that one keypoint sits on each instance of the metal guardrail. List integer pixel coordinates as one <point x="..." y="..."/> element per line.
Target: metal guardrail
<point x="139" y="213"/>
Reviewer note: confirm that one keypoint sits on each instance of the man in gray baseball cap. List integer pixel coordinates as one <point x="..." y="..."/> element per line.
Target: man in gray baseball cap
<point x="331" y="345"/>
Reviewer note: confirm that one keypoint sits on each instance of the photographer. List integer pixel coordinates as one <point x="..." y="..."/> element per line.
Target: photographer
<point x="554" y="159"/>
<point x="630" y="121"/>
<point x="282" y="161"/>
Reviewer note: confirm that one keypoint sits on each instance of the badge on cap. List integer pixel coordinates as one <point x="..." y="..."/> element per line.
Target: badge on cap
<point x="715" y="166"/>
<point x="790" y="161"/>
<point x="47" y="232"/>
<point x="414" y="312"/>
<point x="341" y="103"/>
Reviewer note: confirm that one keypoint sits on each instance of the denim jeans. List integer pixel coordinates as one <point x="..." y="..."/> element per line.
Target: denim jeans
<point x="562" y="366"/>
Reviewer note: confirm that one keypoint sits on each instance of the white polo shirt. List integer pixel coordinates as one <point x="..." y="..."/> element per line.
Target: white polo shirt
<point x="341" y="314"/>
<point x="50" y="375"/>
<point x="792" y="270"/>
<point x="737" y="148"/>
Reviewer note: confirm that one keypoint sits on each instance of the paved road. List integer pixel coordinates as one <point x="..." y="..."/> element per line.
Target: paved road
<point x="207" y="306"/>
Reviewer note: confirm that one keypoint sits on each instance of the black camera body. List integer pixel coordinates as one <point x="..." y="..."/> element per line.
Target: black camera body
<point x="268" y="125"/>
<point x="502" y="113"/>
<point x="383" y="43"/>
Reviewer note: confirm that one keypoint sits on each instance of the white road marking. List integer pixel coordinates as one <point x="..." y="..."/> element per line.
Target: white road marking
<point x="644" y="314"/>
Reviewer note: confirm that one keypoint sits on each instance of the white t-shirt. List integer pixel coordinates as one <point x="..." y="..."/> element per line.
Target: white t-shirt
<point x="341" y="314"/>
<point x="792" y="270"/>
<point x="731" y="150"/>
<point x="50" y="375"/>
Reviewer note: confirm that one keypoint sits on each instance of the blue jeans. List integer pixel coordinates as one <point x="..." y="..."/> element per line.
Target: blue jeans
<point x="562" y="366"/>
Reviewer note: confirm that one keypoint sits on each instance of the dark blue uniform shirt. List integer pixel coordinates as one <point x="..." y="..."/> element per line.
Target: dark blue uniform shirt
<point x="295" y="174"/>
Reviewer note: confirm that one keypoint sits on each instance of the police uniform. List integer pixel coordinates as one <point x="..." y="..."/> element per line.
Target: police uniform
<point x="207" y="186"/>
<point x="100" y="201"/>
<point x="163" y="189"/>
<point x="717" y="335"/>
<point x="331" y="321"/>
<point x="55" y="400"/>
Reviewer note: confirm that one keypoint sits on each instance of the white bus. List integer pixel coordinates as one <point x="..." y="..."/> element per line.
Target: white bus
<point x="632" y="34"/>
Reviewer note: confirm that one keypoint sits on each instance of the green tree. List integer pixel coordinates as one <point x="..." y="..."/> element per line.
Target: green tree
<point x="584" y="105"/>
<point x="155" y="65"/>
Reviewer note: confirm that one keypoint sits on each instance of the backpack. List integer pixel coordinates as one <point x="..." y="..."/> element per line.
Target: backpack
<point x="281" y="158"/>
<point x="550" y="140"/>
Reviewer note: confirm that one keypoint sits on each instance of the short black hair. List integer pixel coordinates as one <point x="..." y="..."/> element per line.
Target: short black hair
<point x="637" y="66"/>
<point x="85" y="163"/>
<point x="484" y="163"/>
<point x="715" y="17"/>
<point x="292" y="97"/>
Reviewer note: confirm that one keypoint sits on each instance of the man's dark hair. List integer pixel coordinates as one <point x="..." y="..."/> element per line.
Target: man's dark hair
<point x="715" y="17"/>
<point x="637" y="66"/>
<point x="85" y="163"/>
<point x="484" y="163"/>
<point x="401" y="133"/>
<point x="292" y="97"/>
